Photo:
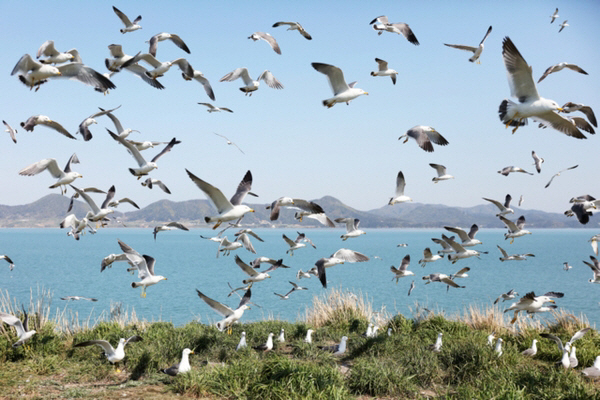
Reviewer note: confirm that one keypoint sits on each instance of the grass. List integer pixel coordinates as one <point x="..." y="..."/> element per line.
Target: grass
<point x="396" y="366"/>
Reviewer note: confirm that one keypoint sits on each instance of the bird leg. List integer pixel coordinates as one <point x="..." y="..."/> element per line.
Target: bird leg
<point x="143" y="292"/>
<point x="219" y="222"/>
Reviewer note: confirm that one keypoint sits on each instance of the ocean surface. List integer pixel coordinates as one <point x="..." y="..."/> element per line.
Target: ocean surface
<point x="48" y="259"/>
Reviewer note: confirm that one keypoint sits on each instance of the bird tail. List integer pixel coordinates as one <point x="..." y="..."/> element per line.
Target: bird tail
<point x="506" y="113"/>
<point x="135" y="284"/>
<point x="372" y="73"/>
<point x="132" y="171"/>
<point x="207" y="219"/>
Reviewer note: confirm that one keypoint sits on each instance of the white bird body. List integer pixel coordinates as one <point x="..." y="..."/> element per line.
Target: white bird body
<point x="475" y="50"/>
<point x="242" y="342"/>
<point x="424" y="136"/>
<point x="513" y="257"/>
<point x="159" y="37"/>
<point x="429" y="257"/>
<point x="182" y="367"/>
<point x="268" y="346"/>
<point x="145" y="267"/>
<point x="498" y="348"/>
<point x="231" y="316"/>
<point x="437" y="346"/>
<point x="441" y="172"/>
<point x="250" y="84"/>
<point x="54" y="56"/>
<point x="382" y="24"/>
<point x="532" y="351"/>
<point x="342" y="92"/>
<point x="402" y="271"/>
<point x="399" y="195"/>
<point x="532" y="303"/>
<point x="511" y="294"/>
<point x="64" y="177"/>
<point x="351" y="227"/>
<point x="97" y="213"/>
<point x="383" y="70"/>
<point x="460" y="252"/>
<point x="308" y="338"/>
<point x="294" y="26"/>
<point x="112" y="355"/>
<point x="515" y="230"/>
<point x="23" y="332"/>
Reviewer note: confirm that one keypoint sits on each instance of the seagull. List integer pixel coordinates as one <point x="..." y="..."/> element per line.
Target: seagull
<point x="231" y="316"/>
<point x="594" y="370"/>
<point x="342" y="92"/>
<point x="565" y="361"/>
<point x="462" y="273"/>
<point x="301" y="274"/>
<point x="399" y="197"/>
<point x="97" y="213"/>
<point x="46" y="121"/>
<point x="336" y="349"/>
<point x="12" y="132"/>
<point x="460" y="251"/>
<point x="468" y="239"/>
<point x="115" y="203"/>
<point x="504" y="208"/>
<point x="424" y="135"/>
<point x="115" y="65"/>
<point x="297" y="204"/>
<point x="145" y="145"/>
<point x="281" y="337"/>
<point x="384" y="70"/>
<point x="532" y="351"/>
<point x="594" y="243"/>
<point x="530" y="103"/>
<point x="560" y="67"/>
<point x="554" y="16"/>
<point x="595" y="266"/>
<point x="442" y="278"/>
<point x="520" y="200"/>
<point x="252" y="85"/>
<point x="573" y="358"/>
<point x="513" y="257"/>
<point x="255" y="276"/>
<point x="229" y="142"/>
<point x="267" y="346"/>
<point x="441" y="172"/>
<point x="242" y="342"/>
<point x="515" y="230"/>
<point x="507" y="170"/>
<point x="381" y="24"/>
<point x="475" y="50"/>
<point x="563" y="26"/>
<point x="320" y="217"/>
<point x="212" y="109"/>
<point x="532" y="303"/>
<point x="558" y="174"/>
<point x="294" y="244"/>
<point x="121" y="132"/>
<point x="129" y="26"/>
<point x="567" y="267"/>
<point x="111" y="258"/>
<point x="144" y="166"/>
<point x="429" y="257"/>
<point x="77" y="225"/>
<point x="227" y="246"/>
<point x="369" y="332"/>
<point x="267" y="38"/>
<point x="11" y="264"/>
<point x="145" y="267"/>
<point x="410" y="289"/>
<point x="22" y="329"/>
<point x="151" y="182"/>
<point x="182" y="367"/>
<point x="113" y="355"/>
<point x="64" y="177"/>
<point x="33" y="73"/>
<point x="258" y="261"/>
<point x="511" y="294"/>
<point x="339" y="257"/>
<point x="446" y="248"/>
<point x="160" y="68"/>
<point x="537" y="161"/>
<point x="53" y="56"/>
<point x="84" y="125"/>
<point x="168" y="227"/>
<point x="351" y="227"/>
<point x="308" y="338"/>
<point x="78" y="298"/>
<point x="402" y="271"/>
<point x="587" y="110"/>
<point x="437" y="346"/>
<point x="294" y="26"/>
<point x="498" y="348"/>
<point x="159" y="37"/>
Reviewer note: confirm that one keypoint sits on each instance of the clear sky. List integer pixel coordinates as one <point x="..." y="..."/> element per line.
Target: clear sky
<point x="293" y="145"/>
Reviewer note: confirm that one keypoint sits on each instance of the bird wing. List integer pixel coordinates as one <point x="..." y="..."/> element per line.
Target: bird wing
<point x="473" y="231"/>
<point x="289" y="241"/>
<point x="207" y="88"/>
<point x="215" y="305"/>
<point x="520" y="78"/>
<point x="57" y="127"/>
<point x="509" y="224"/>
<point x="242" y="190"/>
<point x="246" y="298"/>
<point x="108" y="349"/>
<point x="237" y="73"/>
<point x="122" y="17"/>
<point x="47" y="49"/>
<point x="407" y="32"/>
<point x="521" y="222"/>
<point x="276" y="264"/>
<point x="245" y="267"/>
<point x="86" y="75"/>
<point x="461" y="233"/>
<point x="486" y="35"/>
<point x="450" y="282"/>
<point x="436" y="137"/>
<point x="555" y="338"/>
<point x="334" y="75"/>
<point x="131" y="147"/>
<point x="504" y="253"/>
<point x="383" y="65"/>
<point x="495" y="202"/>
<point x="184" y="66"/>
<point x="400" y="184"/>
<point x="134" y="338"/>
<point x="350" y="255"/>
<point x="141" y="72"/>
<point x="49" y="163"/>
<point x="270" y="80"/>
<point x="561" y="124"/>
<point x="13" y="321"/>
<point x="440" y="169"/>
<point x="456" y="246"/>
<point x="167" y="149"/>
<point x="109" y="196"/>
<point x="269" y="39"/>
<point x="178" y="226"/>
<point x="25" y="63"/>
<point x="405" y="263"/>
<point x="216" y="197"/>
<point x="178" y="42"/>
<point x="87" y="199"/>
<point x="246" y="242"/>
<point x="462" y="47"/>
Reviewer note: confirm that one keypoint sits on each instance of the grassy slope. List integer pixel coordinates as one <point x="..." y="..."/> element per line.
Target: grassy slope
<point x="399" y="366"/>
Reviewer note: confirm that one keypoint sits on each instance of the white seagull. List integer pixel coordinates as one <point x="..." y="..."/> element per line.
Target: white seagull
<point x="563" y="26"/>
<point x="145" y="267"/>
<point x="149" y="183"/>
<point x="22" y="329"/>
<point x="532" y="351"/>
<point x="85" y="124"/>
<point x="511" y="294"/>
<point x="537" y="161"/>
<point x="159" y="37"/>
<point x="460" y="251"/>
<point x="11" y="264"/>
<point x="342" y="92"/>
<point x="530" y="104"/>
<point x="383" y="70"/>
<point x="267" y="38"/>
<point x="129" y="26"/>
<point x="560" y="67"/>
<point x="115" y="64"/>
<point x="336" y="349"/>
<point x="595" y="266"/>
<point x="504" y="208"/>
<point x="558" y="174"/>
<point x="113" y="355"/>
<point x="437" y="346"/>
<point x="12" y="132"/>
<point x="515" y="230"/>
<point x="507" y="170"/>
<point x="467" y="239"/>
<point x="402" y="271"/>
<point x="294" y="26"/>
<point x="475" y="50"/>
<point x="554" y="16"/>
<point x="308" y="207"/>
<point x="242" y="343"/>
<point x="587" y="110"/>
<point x="64" y="177"/>
<point x="159" y="67"/>
<point x="46" y="121"/>
<point x="399" y="197"/>
<point x="429" y="257"/>
<point x="181" y="367"/>
<point x="54" y="56"/>
<point x="351" y="227"/>
<point x="229" y="142"/>
<point x="532" y="303"/>
<point x="339" y="257"/>
<point x="381" y="24"/>
<point x="513" y="257"/>
<point x="441" y="172"/>
<point x="97" y="213"/>
<point x="231" y="316"/>
<point x="424" y="135"/>
<point x="212" y="109"/>
<point x="168" y="227"/>
<point x="250" y="84"/>
<point x="68" y="298"/>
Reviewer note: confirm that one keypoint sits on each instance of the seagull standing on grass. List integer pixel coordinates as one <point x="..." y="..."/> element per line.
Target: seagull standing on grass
<point x="532" y="351"/>
<point x="268" y="346"/>
<point x="437" y="346"/>
<point x="336" y="349"/>
<point x="182" y="367"/>
<point x="242" y="344"/>
<point x="498" y="349"/>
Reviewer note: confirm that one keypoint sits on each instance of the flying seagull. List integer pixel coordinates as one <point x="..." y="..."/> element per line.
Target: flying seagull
<point x="351" y="227"/>
<point x="84" y="125"/>
<point x="255" y="276"/>
<point x="537" y="161"/>
<point x="159" y="37"/>
<point x="113" y="355"/>
<point x="381" y="24"/>
<point x="425" y="135"/>
<point x="54" y="56"/>
<point x="339" y="257"/>
<point x="504" y="208"/>
<point x="294" y="26"/>
<point x="515" y="230"/>
<point x="97" y="213"/>
<point x="212" y="109"/>
<point x="589" y="113"/>
<point x="532" y="303"/>
<point x="429" y="257"/>
<point x="11" y="264"/>
<point x="399" y="196"/>
<point x="168" y="227"/>
<point x="460" y="251"/>
<point x="402" y="271"/>
<point x="200" y="78"/>
<point x="511" y="294"/>
<point x="145" y="267"/>
<point x="64" y="177"/>
<point x="565" y="359"/>
<point x="560" y="67"/>
<point x="129" y="26"/>
<point x="228" y="210"/>
<point x="250" y="84"/>
<point x="554" y="16"/>
<point x="46" y="121"/>
<point x="441" y="172"/>
<point x="530" y="104"/>
<point x="342" y="92"/>
<point x="229" y="142"/>
<point x="12" y="132"/>
<point x="22" y="329"/>
<point x="297" y="204"/>
<point x="267" y="38"/>
<point x="595" y="266"/>
<point x="78" y="298"/>
<point x="507" y="170"/>
<point x="563" y="26"/>
<point x="513" y="257"/>
<point x="181" y="367"/>
<point x="467" y="239"/>
<point x="231" y="316"/>
<point x="383" y="70"/>
<point x="149" y="183"/>
<point x="475" y="50"/>
<point x="558" y="174"/>
<point x="160" y="67"/>
<point x="116" y="64"/>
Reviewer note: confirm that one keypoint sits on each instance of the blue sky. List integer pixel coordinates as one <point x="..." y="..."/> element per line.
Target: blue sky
<point x="293" y="145"/>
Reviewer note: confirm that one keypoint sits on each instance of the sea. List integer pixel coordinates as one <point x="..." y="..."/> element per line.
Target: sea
<point x="47" y="260"/>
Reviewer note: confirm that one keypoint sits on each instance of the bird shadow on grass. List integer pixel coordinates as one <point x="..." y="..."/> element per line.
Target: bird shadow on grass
<point x="141" y="367"/>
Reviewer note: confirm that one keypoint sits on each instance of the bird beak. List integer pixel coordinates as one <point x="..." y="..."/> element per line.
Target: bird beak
<point x="192" y="352"/>
<point x="552" y="301"/>
<point x="165" y="279"/>
<point x="560" y="109"/>
<point x="251" y="210"/>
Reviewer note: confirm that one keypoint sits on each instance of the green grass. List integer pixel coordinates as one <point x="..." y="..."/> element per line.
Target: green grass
<point x="398" y="366"/>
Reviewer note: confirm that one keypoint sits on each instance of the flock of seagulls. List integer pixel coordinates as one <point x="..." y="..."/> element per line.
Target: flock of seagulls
<point x="50" y="65"/>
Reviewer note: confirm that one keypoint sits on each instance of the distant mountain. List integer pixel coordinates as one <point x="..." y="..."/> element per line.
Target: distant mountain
<point x="51" y="209"/>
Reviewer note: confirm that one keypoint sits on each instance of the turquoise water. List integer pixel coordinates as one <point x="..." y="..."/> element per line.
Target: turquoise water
<point x="48" y="258"/>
